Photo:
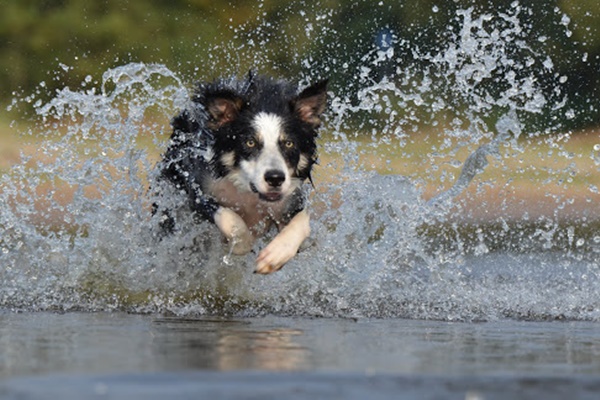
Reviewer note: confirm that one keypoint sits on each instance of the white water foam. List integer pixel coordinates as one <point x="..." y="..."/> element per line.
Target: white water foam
<point x="77" y="231"/>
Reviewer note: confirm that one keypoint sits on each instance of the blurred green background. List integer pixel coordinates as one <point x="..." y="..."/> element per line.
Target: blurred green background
<point x="63" y="42"/>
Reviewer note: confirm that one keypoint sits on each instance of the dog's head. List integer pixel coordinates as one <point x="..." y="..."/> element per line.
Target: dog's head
<point x="264" y="133"/>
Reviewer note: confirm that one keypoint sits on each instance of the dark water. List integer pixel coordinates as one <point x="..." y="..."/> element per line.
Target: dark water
<point x="117" y="355"/>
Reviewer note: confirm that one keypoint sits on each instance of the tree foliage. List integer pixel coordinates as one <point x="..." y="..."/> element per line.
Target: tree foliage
<point x="61" y="42"/>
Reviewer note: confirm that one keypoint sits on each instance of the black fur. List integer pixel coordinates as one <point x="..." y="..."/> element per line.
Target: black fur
<point x="217" y="122"/>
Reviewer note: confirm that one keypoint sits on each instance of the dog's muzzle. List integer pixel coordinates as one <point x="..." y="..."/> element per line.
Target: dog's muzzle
<point x="274" y="179"/>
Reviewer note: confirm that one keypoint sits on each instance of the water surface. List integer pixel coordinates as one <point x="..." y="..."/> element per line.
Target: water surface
<point x="90" y="355"/>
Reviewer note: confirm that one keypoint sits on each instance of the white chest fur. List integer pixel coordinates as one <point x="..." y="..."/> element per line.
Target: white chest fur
<point x="257" y="214"/>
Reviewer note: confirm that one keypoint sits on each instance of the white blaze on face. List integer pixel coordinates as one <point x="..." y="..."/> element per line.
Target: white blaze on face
<point x="269" y="132"/>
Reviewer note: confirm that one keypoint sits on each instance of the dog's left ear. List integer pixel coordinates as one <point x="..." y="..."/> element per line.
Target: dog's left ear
<point x="222" y="108"/>
<point x="311" y="102"/>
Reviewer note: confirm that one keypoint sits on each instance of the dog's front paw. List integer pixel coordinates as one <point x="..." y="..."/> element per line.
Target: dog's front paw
<point x="273" y="257"/>
<point x="235" y="230"/>
<point x="285" y="245"/>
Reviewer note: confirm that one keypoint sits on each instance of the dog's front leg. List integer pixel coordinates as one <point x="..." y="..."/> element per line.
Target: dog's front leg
<point x="235" y="230"/>
<point x="285" y="245"/>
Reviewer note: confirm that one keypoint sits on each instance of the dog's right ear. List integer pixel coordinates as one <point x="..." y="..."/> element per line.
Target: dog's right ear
<point x="222" y="108"/>
<point x="311" y="103"/>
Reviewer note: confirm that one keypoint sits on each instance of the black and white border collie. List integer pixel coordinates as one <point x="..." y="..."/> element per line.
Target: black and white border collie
<point x="240" y="154"/>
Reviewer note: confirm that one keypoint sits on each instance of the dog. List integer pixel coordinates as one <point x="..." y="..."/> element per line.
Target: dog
<point x="241" y="153"/>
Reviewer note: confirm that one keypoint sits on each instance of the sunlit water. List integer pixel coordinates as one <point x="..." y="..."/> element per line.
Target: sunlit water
<point x="77" y="232"/>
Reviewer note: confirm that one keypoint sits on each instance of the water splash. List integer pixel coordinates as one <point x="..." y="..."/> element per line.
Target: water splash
<point x="77" y="232"/>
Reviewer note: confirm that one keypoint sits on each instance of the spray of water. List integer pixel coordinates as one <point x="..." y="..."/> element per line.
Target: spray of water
<point x="77" y="231"/>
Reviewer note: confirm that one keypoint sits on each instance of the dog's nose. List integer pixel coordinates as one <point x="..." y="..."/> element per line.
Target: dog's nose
<point x="274" y="177"/>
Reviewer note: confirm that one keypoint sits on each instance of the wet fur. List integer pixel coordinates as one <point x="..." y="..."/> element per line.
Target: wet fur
<point x="240" y="154"/>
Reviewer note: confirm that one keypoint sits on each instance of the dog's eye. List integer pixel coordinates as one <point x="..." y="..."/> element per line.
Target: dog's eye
<point x="250" y="143"/>
<point x="288" y="144"/>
